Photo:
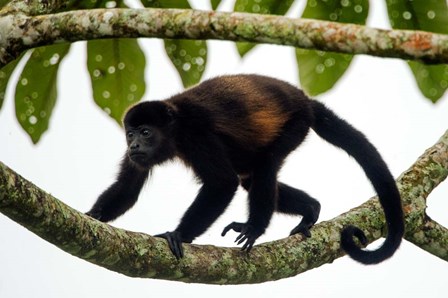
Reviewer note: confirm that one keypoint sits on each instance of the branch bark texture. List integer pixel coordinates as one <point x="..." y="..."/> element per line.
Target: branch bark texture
<point x="140" y="255"/>
<point x="36" y="7"/>
<point x="20" y="30"/>
<point x="415" y="185"/>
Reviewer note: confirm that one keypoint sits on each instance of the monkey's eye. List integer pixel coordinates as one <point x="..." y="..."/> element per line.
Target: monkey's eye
<point x="130" y="135"/>
<point x="146" y="133"/>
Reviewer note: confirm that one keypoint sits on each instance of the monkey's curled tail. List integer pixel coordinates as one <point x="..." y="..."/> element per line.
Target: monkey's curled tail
<point x="341" y="134"/>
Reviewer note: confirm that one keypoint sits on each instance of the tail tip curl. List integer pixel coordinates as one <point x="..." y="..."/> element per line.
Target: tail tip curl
<point x="363" y="256"/>
<point x="347" y="235"/>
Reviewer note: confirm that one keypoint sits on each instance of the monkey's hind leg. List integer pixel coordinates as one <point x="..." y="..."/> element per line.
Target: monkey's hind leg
<point x="297" y="202"/>
<point x="262" y="196"/>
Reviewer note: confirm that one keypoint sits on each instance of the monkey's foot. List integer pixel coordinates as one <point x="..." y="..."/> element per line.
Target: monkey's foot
<point x="174" y="240"/>
<point x="248" y="234"/>
<point x="303" y="228"/>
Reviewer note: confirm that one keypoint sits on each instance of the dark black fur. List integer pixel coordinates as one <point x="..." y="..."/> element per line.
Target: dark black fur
<point x="235" y="130"/>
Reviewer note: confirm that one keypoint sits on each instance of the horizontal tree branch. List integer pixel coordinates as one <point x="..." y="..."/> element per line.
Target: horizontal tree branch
<point x="140" y="255"/>
<point x="19" y="31"/>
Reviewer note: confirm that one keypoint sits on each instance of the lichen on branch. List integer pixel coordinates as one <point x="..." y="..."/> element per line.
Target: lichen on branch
<point x="20" y="31"/>
<point x="140" y="255"/>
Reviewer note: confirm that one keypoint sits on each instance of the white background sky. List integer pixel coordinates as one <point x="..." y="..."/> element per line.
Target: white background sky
<point x="78" y="157"/>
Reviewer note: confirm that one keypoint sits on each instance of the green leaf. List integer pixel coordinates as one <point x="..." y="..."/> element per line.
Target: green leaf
<point x="5" y="74"/>
<point x="432" y="80"/>
<point x="4" y="2"/>
<point x="215" y="4"/>
<point x="427" y="15"/>
<point x="183" y="4"/>
<point x="343" y="11"/>
<point x="261" y="7"/>
<point x="319" y="71"/>
<point x="92" y="4"/>
<point x="189" y="57"/>
<point x="117" y="72"/>
<point x="36" y="90"/>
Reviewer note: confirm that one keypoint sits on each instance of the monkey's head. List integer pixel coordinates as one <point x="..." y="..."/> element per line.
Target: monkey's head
<point x="149" y="130"/>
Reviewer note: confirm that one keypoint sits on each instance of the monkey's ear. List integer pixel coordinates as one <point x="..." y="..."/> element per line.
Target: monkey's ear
<point x="171" y="114"/>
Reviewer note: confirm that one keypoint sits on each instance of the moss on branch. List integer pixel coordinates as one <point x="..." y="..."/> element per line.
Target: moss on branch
<point x="20" y="31"/>
<point x="140" y="255"/>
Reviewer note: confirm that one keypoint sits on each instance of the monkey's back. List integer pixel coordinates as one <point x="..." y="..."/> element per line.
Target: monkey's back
<point x="249" y="109"/>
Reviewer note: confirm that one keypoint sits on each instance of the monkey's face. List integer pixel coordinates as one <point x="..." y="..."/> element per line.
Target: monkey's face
<point x="144" y="145"/>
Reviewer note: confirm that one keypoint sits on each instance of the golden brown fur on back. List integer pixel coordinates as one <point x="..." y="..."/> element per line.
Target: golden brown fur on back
<point x="240" y="109"/>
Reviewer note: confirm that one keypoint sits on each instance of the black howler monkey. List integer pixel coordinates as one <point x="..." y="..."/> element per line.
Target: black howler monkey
<point x="235" y="130"/>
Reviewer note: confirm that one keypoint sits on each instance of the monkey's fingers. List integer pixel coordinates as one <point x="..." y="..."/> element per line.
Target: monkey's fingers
<point x="176" y="248"/>
<point x="241" y="238"/>
<point x="236" y="226"/>
<point x="174" y="240"/>
<point x="247" y="235"/>
<point x="248" y="245"/>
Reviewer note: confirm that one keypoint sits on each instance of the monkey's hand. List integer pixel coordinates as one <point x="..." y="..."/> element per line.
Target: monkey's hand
<point x="174" y="240"/>
<point x="248" y="234"/>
